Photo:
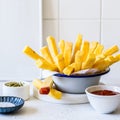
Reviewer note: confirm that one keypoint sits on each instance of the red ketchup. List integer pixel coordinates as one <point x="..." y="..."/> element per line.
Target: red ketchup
<point x="105" y="92"/>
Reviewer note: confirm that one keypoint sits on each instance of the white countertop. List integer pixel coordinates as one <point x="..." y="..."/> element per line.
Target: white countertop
<point x="35" y="109"/>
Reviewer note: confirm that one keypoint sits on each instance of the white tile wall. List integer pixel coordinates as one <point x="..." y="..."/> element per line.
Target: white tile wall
<point x="110" y="32"/>
<point x="95" y="19"/>
<point x="72" y="9"/>
<point x="111" y="9"/>
<point x="110" y="36"/>
<point x="50" y="9"/>
<point x="20" y="25"/>
<point x="69" y="29"/>
<point x="113" y="77"/>
<point x="50" y="28"/>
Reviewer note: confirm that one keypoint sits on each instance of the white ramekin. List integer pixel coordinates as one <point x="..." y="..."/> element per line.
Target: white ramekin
<point x="22" y="91"/>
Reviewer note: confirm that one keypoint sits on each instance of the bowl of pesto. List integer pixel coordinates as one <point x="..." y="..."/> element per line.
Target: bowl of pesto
<point x="16" y="88"/>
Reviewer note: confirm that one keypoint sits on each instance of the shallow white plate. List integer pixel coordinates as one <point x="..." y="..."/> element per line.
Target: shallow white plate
<point x="66" y="98"/>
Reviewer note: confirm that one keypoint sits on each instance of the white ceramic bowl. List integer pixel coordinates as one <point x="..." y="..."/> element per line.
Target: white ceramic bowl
<point x="103" y="104"/>
<point x="22" y="91"/>
<point x="76" y="84"/>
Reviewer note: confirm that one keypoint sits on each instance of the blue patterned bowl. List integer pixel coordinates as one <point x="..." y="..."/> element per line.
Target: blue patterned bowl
<point x="10" y="104"/>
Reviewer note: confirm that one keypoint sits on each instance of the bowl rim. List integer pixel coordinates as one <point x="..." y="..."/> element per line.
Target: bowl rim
<point x="24" y="85"/>
<point x="82" y="76"/>
<point x="101" y="96"/>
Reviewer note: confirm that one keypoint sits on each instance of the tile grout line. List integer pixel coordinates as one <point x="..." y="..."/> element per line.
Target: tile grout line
<point x="70" y="18"/>
<point x="58" y="21"/>
<point x="41" y="71"/>
<point x="100" y="20"/>
<point x="83" y="19"/>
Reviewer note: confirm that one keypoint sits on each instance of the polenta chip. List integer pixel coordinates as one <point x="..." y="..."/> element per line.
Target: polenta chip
<point x="67" y="53"/>
<point x="77" y="46"/>
<point x="48" y="82"/>
<point x="89" y="61"/>
<point x="69" y="69"/>
<point x="85" y="49"/>
<point x="77" y="66"/>
<point x="31" y="53"/>
<point x="78" y="60"/>
<point x="98" y="49"/>
<point x="37" y="83"/>
<point x="102" y="65"/>
<point x="42" y="63"/>
<point x="55" y="93"/>
<point x="93" y="46"/>
<point x="111" y="50"/>
<point x="62" y="46"/>
<point x="113" y="59"/>
<point x="66" y="60"/>
<point x="52" y="46"/>
<point x="59" y="61"/>
<point x="46" y="54"/>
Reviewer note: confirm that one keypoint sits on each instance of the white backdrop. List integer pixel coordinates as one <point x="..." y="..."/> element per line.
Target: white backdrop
<point x="20" y="25"/>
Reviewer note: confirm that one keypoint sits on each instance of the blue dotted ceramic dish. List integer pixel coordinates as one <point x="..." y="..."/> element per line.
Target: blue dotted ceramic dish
<point x="10" y="104"/>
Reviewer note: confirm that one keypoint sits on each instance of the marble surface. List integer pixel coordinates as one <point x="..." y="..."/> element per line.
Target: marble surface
<point x="35" y="109"/>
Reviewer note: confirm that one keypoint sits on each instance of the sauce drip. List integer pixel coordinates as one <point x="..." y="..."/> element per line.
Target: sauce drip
<point x="105" y="92"/>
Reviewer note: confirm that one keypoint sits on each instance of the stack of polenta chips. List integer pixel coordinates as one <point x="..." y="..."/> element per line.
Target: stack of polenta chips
<point x="47" y="83"/>
<point x="67" y="58"/>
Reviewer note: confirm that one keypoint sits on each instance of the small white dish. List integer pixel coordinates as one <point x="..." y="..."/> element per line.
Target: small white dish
<point x="103" y="103"/>
<point x="21" y="91"/>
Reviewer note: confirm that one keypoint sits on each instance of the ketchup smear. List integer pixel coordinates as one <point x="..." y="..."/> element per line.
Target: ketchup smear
<point x="105" y="92"/>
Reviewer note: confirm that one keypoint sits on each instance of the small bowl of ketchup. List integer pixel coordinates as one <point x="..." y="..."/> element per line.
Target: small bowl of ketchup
<point x="104" y="98"/>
